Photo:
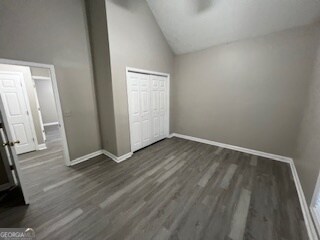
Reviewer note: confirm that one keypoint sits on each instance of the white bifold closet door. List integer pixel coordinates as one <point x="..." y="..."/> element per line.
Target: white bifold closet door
<point x="159" y="107"/>
<point x="148" y="109"/>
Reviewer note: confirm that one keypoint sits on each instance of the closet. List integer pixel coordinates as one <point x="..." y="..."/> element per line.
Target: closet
<point x="148" y="100"/>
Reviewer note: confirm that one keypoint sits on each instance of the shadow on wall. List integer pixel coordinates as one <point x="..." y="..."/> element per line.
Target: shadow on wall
<point x="203" y="5"/>
<point x="130" y="5"/>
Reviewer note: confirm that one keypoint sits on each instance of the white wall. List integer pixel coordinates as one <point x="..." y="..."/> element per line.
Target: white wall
<point x="45" y="95"/>
<point x="46" y="101"/>
<point x="99" y="39"/>
<point x="249" y="93"/>
<point x="135" y="41"/>
<point x="55" y="32"/>
<point x="307" y="155"/>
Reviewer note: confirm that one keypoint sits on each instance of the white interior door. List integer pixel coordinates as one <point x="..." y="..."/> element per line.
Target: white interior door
<point x="15" y="104"/>
<point x="8" y="152"/>
<point x="145" y="109"/>
<point x="6" y="174"/>
<point x="148" y="108"/>
<point x="159" y="107"/>
<point x="139" y="110"/>
<point x="134" y="111"/>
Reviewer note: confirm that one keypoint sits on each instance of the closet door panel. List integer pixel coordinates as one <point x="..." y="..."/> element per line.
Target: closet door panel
<point x="155" y="108"/>
<point x="155" y="115"/>
<point x="145" y="109"/>
<point x="134" y="111"/>
<point x="162" y="89"/>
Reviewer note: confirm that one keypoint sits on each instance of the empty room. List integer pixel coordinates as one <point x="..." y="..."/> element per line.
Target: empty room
<point x="160" y="119"/>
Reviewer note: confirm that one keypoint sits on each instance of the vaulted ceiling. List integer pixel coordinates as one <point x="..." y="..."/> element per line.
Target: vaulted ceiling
<point x="191" y="25"/>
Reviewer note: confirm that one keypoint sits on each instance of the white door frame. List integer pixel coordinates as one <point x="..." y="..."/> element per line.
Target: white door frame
<point x="137" y="70"/>
<point x="40" y="114"/>
<point x="314" y="212"/>
<point x="56" y="96"/>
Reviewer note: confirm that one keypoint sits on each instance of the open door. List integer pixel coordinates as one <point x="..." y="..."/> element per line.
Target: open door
<point x="17" y="109"/>
<point x="9" y="155"/>
<point x="6" y="175"/>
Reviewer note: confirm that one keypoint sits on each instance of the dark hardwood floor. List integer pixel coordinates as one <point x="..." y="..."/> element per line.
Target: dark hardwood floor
<point x="174" y="189"/>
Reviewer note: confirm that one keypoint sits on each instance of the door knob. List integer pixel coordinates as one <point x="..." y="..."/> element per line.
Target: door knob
<point x="13" y="143"/>
<point x="10" y="143"/>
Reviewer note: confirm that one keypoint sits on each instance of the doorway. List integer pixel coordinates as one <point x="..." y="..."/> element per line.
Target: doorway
<point x="32" y="118"/>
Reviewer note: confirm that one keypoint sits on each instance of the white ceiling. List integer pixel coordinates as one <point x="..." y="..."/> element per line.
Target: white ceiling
<point x="191" y="25"/>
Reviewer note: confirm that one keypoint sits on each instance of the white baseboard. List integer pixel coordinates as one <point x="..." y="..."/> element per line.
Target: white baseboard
<point x="304" y="206"/>
<point x="303" y="203"/>
<point x="100" y="152"/>
<point x="42" y="146"/>
<point x="50" y="124"/>
<point x="115" y="158"/>
<point x="236" y="148"/>
<point x="86" y="157"/>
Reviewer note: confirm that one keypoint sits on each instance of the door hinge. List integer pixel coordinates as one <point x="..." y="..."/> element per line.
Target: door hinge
<point x="32" y="139"/>
<point x="27" y="112"/>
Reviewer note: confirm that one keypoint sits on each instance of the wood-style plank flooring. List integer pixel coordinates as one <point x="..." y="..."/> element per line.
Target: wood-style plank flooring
<point x="174" y="189"/>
